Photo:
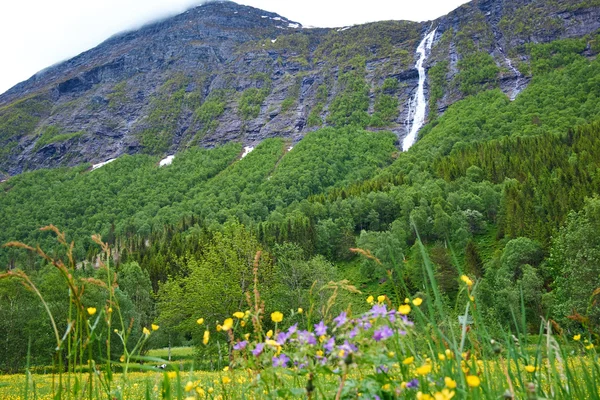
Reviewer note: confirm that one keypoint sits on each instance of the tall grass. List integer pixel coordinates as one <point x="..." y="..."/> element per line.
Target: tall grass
<point x="404" y="347"/>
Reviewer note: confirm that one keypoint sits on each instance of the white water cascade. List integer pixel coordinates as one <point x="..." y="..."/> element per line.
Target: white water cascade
<point x="418" y="104"/>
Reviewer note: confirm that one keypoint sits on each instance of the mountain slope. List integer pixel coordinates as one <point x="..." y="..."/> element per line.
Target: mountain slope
<point x="223" y="72"/>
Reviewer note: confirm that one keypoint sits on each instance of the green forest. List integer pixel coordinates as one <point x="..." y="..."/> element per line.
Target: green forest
<point x="506" y="189"/>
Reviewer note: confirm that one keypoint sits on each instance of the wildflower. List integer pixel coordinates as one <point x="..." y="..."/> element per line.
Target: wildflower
<point x="200" y="392"/>
<point x="441" y="357"/>
<point x="206" y="337"/>
<point x="247" y="336"/>
<point x="276" y="316"/>
<point x="227" y="324"/>
<point x="319" y="353"/>
<point x="383" y="333"/>
<point x="348" y="347"/>
<point x="292" y="329"/>
<point x="155" y="327"/>
<point x="226" y="380"/>
<point x="219" y="328"/>
<point x="258" y="349"/>
<point x="171" y="374"/>
<point x="445" y="394"/>
<point x="352" y="334"/>
<point x="328" y="346"/>
<point x="404" y="309"/>
<point x="391" y="354"/>
<point x="210" y="390"/>
<point x="91" y="310"/>
<point x="424" y="369"/>
<point x="200" y="321"/>
<point x="320" y="328"/>
<point x="122" y="358"/>
<point x="387" y="387"/>
<point x="449" y="353"/>
<point x="408" y="360"/>
<point x="370" y="300"/>
<point x="340" y="319"/>
<point x="589" y="346"/>
<point x="243" y="323"/>
<point x="109" y="309"/>
<point x="225" y="369"/>
<point x="379" y="310"/>
<point x="270" y="333"/>
<point x="473" y="381"/>
<point x="417" y="301"/>
<point x="190" y="398"/>
<point x="282" y="337"/>
<point x="146" y="331"/>
<point x="306" y="337"/>
<point x="466" y="280"/>
<point x="281" y="361"/>
<point x="240" y="345"/>
<point x="406" y="300"/>
<point x="450" y="383"/>
<point x="380" y="299"/>
<point x="422" y="396"/>
<point x="529" y="368"/>
<point x="577" y="338"/>
<point x="412" y="384"/>
<point x="189" y="386"/>
<point x="238" y="314"/>
<point x="300" y="310"/>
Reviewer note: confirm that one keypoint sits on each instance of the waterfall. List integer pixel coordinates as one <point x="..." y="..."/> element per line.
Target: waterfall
<point x="418" y="104"/>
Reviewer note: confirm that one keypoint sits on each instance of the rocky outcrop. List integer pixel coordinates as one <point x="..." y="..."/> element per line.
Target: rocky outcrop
<point x="224" y="72"/>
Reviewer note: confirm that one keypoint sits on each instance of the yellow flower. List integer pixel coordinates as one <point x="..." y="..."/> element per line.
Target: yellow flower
<point x="155" y="327"/>
<point x="243" y="323"/>
<point x="450" y="383"/>
<point x="449" y="353"/>
<point x="200" y="391"/>
<point x="391" y="354"/>
<point x="341" y="354"/>
<point x="219" y="328"/>
<point x="590" y="346"/>
<point x="466" y="280"/>
<point x="370" y="300"/>
<point x="408" y="360"/>
<point x="210" y="390"/>
<point x="206" y="337"/>
<point x="422" y="396"/>
<point x="417" y="301"/>
<point x="577" y="338"/>
<point x="403" y="385"/>
<point x="320" y="353"/>
<point x="445" y="394"/>
<point x="406" y="300"/>
<point x="300" y="310"/>
<point x="270" y="333"/>
<point x="276" y="316"/>
<point x="424" y="369"/>
<point x="387" y="387"/>
<point x="380" y="299"/>
<point x="404" y="309"/>
<point x="146" y="331"/>
<point x="109" y="309"/>
<point x="227" y="324"/>
<point x="190" y="398"/>
<point x="200" y="321"/>
<point x="529" y="368"/>
<point x="91" y="310"/>
<point x="189" y="386"/>
<point x="247" y="336"/>
<point x="122" y="358"/>
<point x="473" y="381"/>
<point x="441" y="356"/>
<point x="472" y="298"/>
<point x="171" y="374"/>
<point x="238" y="314"/>
<point x="226" y="380"/>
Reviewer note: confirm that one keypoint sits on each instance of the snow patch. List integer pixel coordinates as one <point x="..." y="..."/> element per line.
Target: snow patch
<point x="276" y="19"/>
<point x="295" y="26"/>
<point x="166" y="161"/>
<point x="264" y="16"/>
<point x="102" y="164"/>
<point x="273" y="40"/>
<point x="247" y="150"/>
<point x="290" y="148"/>
<point x="344" y="29"/>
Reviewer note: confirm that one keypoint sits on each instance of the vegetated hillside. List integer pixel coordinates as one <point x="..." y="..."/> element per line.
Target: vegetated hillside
<point x="223" y="72"/>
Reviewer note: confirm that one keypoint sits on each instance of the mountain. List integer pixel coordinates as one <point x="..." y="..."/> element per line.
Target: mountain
<point x="224" y="72"/>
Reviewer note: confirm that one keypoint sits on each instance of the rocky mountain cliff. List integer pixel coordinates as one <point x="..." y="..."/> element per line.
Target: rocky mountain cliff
<point x="224" y="72"/>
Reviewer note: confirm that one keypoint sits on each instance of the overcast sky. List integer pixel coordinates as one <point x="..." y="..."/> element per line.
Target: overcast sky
<point x="35" y="34"/>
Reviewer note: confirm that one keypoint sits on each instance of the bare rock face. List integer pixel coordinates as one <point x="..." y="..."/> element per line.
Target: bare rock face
<point x="224" y="72"/>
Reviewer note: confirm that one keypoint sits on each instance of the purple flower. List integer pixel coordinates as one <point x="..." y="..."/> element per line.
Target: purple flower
<point x="292" y="329"/>
<point x="383" y="369"/>
<point x="348" y="347"/>
<point x="240" y="345"/>
<point x="281" y="361"/>
<point x="406" y="321"/>
<point x="364" y="325"/>
<point x="320" y="329"/>
<point x="379" y="310"/>
<point x="340" y="319"/>
<point x="413" y="384"/>
<point x="306" y="337"/>
<point x="328" y="346"/>
<point x="383" y="333"/>
<point x="258" y="349"/>
<point x="353" y="333"/>
<point x="282" y="337"/>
